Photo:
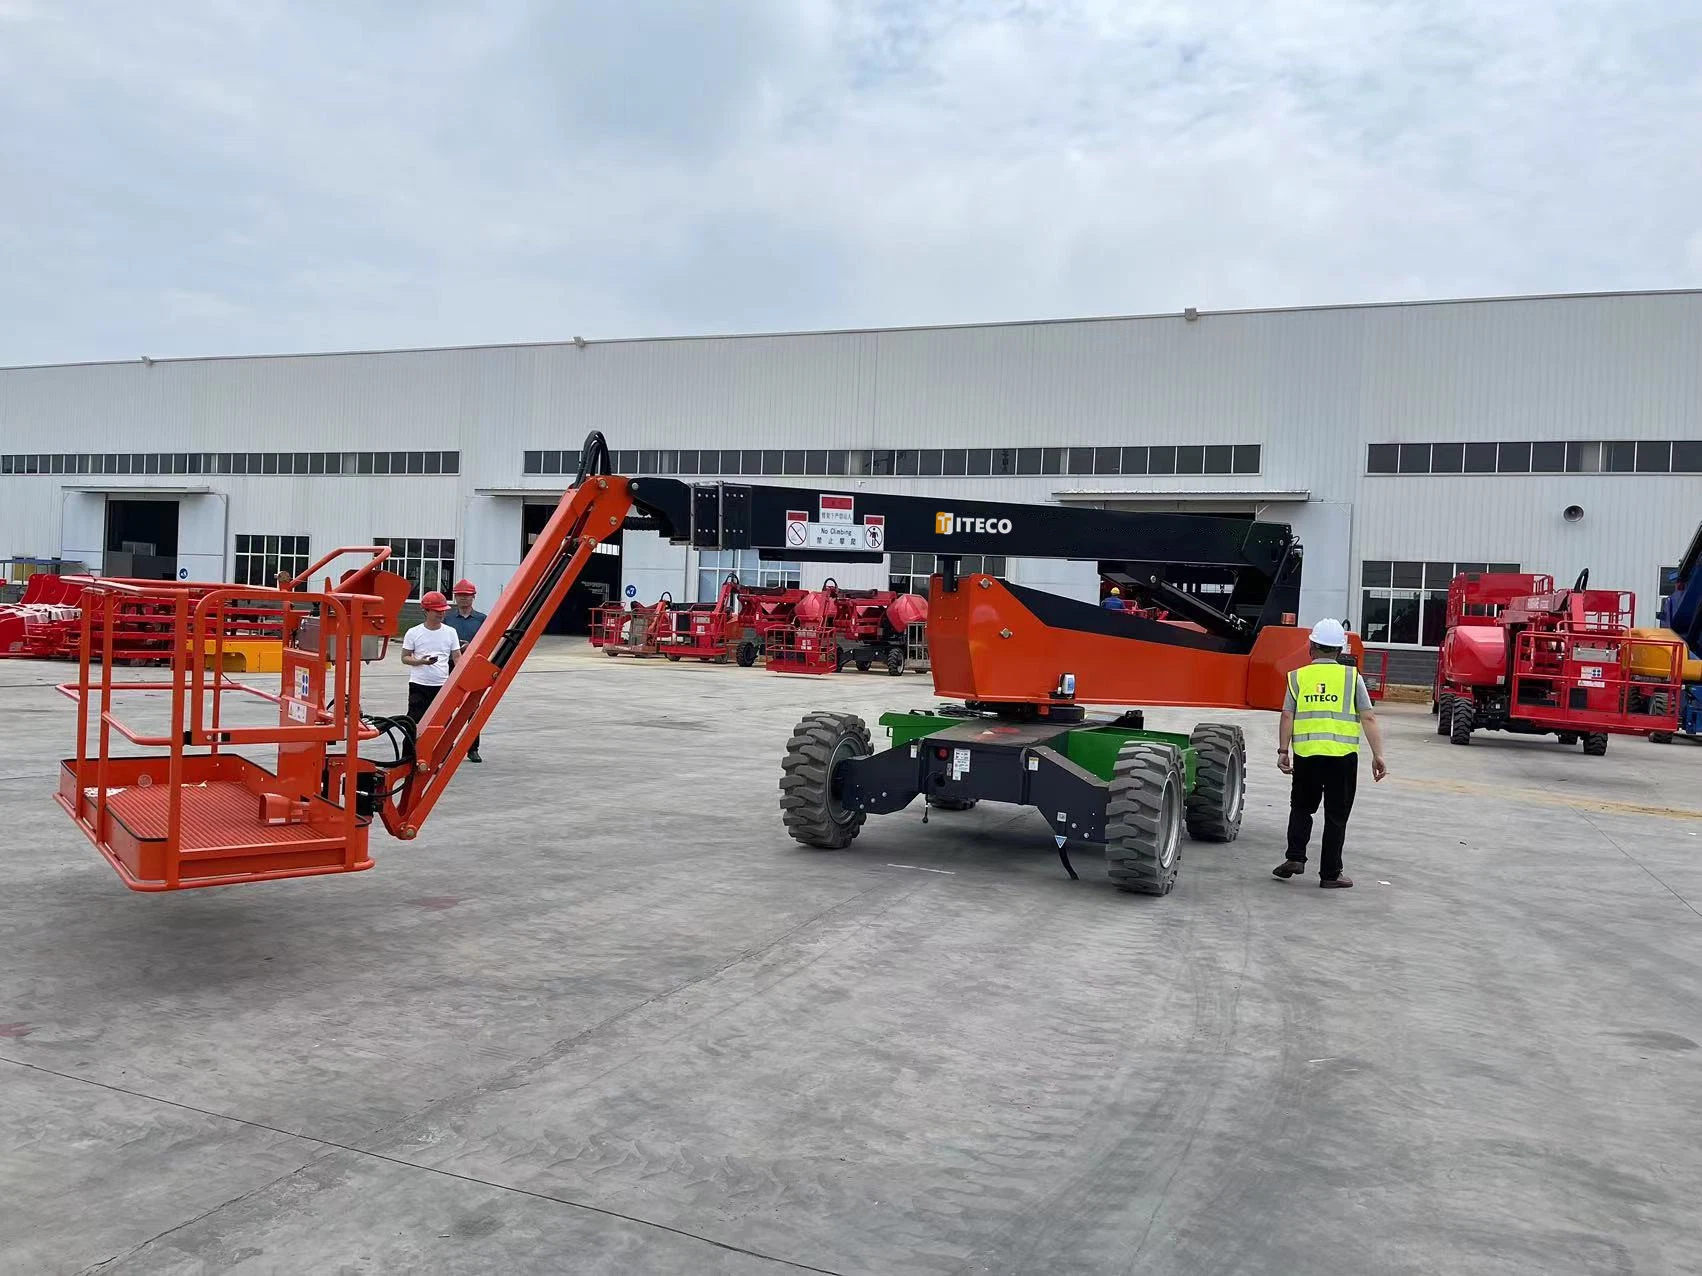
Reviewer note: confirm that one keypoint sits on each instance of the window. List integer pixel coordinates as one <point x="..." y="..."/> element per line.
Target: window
<point x="1247" y="458"/>
<point x="1619" y="458"/>
<point x="1513" y="458"/>
<point x="1480" y="458"/>
<point x="1406" y="603"/>
<point x="1135" y="460"/>
<point x="908" y="463"/>
<point x="1687" y="458"/>
<point x="1447" y="458"/>
<point x="714" y="565"/>
<point x="1220" y="460"/>
<point x="955" y="461"/>
<point x="1382" y="458"/>
<point x="932" y="463"/>
<point x="1028" y="460"/>
<point x="428" y="562"/>
<point x="1160" y="460"/>
<point x="1667" y="586"/>
<point x="259" y="558"/>
<point x="1081" y="459"/>
<point x="1548" y="458"/>
<point x="1583" y="458"/>
<point x="1004" y="460"/>
<point x="1190" y="459"/>
<point x="1654" y="458"/>
<point x="1108" y="460"/>
<point x="910" y="573"/>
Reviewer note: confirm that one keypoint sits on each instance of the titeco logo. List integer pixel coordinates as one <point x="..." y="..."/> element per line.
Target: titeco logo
<point x="945" y="523"/>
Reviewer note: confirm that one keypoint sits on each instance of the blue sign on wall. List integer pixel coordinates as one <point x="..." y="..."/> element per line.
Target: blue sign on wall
<point x="632" y="591"/>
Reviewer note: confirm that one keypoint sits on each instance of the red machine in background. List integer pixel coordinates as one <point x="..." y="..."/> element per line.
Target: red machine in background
<point x="768" y="614"/>
<point x="833" y="627"/>
<point x="46" y="623"/>
<point x="1521" y="656"/>
<point x="709" y="631"/>
<point x="635" y="631"/>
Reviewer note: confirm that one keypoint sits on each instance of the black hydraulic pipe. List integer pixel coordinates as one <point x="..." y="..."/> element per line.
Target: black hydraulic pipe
<point x="1201" y="613"/>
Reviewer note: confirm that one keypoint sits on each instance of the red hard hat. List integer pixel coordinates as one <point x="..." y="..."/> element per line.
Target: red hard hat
<point x="465" y="586"/>
<point x="435" y="601"/>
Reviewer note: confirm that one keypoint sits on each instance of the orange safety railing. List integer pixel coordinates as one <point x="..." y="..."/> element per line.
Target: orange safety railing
<point x="188" y="811"/>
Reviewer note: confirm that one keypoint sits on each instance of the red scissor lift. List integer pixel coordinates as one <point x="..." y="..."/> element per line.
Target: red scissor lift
<point x="1521" y="656"/>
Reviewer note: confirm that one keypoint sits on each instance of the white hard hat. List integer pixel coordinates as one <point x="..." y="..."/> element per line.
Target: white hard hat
<point x="1329" y="633"/>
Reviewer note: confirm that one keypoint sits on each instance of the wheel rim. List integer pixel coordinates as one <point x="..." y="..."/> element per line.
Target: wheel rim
<point x="1170" y="830"/>
<point x="836" y="810"/>
<point x="1232" y="787"/>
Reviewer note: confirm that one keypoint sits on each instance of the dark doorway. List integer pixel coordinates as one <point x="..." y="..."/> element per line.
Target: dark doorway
<point x="141" y="539"/>
<point x="598" y="584"/>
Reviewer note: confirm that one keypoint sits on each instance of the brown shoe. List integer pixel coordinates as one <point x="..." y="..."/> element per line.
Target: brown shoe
<point x="1289" y="868"/>
<point x="1337" y="883"/>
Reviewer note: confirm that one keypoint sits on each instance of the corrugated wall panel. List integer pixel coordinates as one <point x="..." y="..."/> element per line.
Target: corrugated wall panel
<point x="1313" y="387"/>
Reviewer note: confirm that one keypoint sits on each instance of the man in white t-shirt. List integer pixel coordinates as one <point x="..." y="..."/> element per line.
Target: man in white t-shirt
<point x="428" y="650"/>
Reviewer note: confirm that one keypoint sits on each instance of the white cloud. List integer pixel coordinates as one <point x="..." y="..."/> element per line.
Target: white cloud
<point x="268" y="176"/>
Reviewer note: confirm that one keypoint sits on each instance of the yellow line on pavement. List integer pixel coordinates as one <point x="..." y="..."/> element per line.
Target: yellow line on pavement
<point x="1543" y="797"/>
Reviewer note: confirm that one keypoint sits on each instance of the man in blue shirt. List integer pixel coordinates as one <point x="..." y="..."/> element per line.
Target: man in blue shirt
<point x="1113" y="601"/>
<point x="465" y="622"/>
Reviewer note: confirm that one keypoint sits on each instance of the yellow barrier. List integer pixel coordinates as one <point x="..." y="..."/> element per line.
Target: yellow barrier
<point x="248" y="655"/>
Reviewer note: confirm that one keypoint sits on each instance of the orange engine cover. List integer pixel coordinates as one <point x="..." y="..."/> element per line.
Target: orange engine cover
<point x="987" y="645"/>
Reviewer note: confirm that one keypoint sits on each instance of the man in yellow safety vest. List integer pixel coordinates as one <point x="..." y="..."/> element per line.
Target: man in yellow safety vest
<point x="1326" y="707"/>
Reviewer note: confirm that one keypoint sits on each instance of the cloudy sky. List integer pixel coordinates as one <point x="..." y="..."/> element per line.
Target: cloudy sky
<point x="249" y="175"/>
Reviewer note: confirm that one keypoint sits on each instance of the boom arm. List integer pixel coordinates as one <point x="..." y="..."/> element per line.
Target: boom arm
<point x="592" y="511"/>
<point x="1263" y="558"/>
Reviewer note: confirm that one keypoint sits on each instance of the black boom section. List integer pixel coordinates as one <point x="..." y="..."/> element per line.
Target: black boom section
<point x="1056" y="612"/>
<point x="745" y="516"/>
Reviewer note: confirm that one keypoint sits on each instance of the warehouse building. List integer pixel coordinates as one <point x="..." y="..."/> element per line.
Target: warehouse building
<point x="1402" y="442"/>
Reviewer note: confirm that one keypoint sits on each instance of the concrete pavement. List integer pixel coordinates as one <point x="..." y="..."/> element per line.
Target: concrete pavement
<point x="604" y="1017"/>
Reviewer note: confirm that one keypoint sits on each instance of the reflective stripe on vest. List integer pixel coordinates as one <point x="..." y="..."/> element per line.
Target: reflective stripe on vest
<point x="1326" y="724"/>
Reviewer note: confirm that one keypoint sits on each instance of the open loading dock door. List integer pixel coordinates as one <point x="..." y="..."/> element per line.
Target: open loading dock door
<point x="598" y="585"/>
<point x="148" y="534"/>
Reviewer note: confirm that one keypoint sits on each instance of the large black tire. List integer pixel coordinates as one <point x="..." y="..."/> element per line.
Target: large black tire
<point x="1143" y="818"/>
<point x="747" y="654"/>
<point x="1660" y="737"/>
<point x="894" y="661"/>
<point x="1220" y="782"/>
<point x="1595" y="743"/>
<point x="1461" y="719"/>
<point x="862" y="666"/>
<point x="1568" y="738"/>
<point x="942" y="803"/>
<point x="1445" y="713"/>
<point x="808" y="806"/>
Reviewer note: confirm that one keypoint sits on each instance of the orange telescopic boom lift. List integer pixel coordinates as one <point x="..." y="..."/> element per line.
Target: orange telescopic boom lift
<point x="189" y="806"/>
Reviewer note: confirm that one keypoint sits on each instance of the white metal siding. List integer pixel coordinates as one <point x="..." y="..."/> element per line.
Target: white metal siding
<point x="1312" y="387"/>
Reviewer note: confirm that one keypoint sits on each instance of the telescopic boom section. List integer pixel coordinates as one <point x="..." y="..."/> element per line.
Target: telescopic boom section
<point x="588" y="515"/>
<point x="992" y="642"/>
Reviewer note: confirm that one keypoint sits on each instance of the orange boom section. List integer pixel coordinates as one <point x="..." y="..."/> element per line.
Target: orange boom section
<point x="989" y="645"/>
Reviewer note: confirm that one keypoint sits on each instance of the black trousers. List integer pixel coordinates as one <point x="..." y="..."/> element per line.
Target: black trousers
<point x="1333" y="780"/>
<point x="419" y="697"/>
